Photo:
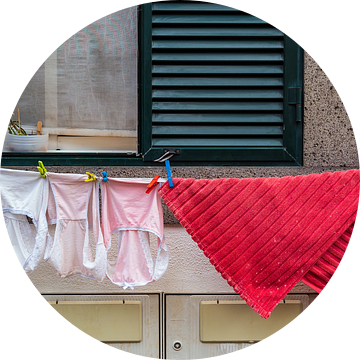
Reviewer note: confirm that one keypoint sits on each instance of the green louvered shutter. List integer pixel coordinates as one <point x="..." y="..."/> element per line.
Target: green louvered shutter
<point x="222" y="86"/>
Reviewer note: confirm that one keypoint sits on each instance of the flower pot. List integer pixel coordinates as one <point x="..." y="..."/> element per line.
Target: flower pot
<point x="29" y="143"/>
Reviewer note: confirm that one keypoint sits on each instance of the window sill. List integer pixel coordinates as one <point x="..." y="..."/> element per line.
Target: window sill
<point x="68" y="158"/>
<point x="100" y="158"/>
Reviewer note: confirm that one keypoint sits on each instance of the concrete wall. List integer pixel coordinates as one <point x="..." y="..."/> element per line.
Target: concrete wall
<point x="329" y="145"/>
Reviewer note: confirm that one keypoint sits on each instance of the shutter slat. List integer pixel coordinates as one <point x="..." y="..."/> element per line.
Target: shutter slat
<point x="166" y="143"/>
<point x="216" y="81"/>
<point x="160" y="118"/>
<point x="217" y="32"/>
<point x="203" y="57"/>
<point x="218" y="106"/>
<point x="219" y="69"/>
<point x="183" y="6"/>
<point x="218" y="94"/>
<point x="216" y="44"/>
<point x="221" y="130"/>
<point x="177" y="18"/>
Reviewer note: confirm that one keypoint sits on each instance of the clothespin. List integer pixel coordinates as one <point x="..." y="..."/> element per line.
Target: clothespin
<point x="91" y="177"/>
<point x="152" y="184"/>
<point x="42" y="169"/>
<point x="168" y="170"/>
<point x="104" y="173"/>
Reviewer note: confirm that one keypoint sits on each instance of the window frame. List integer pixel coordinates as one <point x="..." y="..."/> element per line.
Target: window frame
<point x="290" y="154"/>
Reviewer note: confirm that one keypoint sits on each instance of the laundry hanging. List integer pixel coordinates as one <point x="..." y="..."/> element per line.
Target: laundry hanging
<point x="264" y="235"/>
<point x="74" y="206"/>
<point x="71" y="202"/>
<point x="133" y="214"/>
<point x="25" y="194"/>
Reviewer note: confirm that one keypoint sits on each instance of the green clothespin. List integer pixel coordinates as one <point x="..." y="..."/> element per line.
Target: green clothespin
<point x="42" y="169"/>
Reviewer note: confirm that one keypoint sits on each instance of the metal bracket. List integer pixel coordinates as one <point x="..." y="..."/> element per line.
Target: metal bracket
<point x="295" y="98"/>
<point x="172" y="151"/>
<point x="167" y="154"/>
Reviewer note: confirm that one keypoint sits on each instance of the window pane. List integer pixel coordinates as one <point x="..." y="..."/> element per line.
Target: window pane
<point x="88" y="86"/>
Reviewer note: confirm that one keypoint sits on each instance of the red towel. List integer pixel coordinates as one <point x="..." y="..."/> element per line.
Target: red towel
<point x="264" y="235"/>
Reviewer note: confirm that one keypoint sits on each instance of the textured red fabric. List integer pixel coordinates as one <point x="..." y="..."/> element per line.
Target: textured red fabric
<point x="265" y="234"/>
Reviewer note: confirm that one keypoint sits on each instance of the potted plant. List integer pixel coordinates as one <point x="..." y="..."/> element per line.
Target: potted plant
<point x="23" y="139"/>
<point x="15" y="128"/>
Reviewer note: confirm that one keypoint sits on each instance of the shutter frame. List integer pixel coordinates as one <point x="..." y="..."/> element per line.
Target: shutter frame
<point x="156" y="99"/>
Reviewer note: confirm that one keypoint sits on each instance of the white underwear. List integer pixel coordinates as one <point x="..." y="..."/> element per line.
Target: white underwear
<point x="74" y="207"/>
<point x="25" y="194"/>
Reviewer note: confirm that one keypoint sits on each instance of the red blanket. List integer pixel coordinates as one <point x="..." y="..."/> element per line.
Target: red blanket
<point x="264" y="235"/>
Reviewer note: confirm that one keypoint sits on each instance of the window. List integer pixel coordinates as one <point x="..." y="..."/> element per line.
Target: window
<point x="91" y="87"/>
<point x="213" y="84"/>
<point x="85" y="93"/>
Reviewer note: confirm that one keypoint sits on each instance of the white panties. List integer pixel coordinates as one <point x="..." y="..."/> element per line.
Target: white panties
<point x="24" y="194"/>
<point x="74" y="207"/>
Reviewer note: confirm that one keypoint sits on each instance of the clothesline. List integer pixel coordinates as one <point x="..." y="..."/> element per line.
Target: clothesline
<point x="91" y="177"/>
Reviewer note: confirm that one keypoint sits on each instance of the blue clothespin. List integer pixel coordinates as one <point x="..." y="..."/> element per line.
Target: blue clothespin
<point x="168" y="170"/>
<point x="104" y="173"/>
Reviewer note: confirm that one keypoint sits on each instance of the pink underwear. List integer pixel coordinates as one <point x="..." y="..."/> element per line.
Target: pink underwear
<point x="134" y="215"/>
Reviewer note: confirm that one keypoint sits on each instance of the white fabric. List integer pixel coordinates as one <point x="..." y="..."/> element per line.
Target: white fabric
<point x="74" y="207"/>
<point x="25" y="193"/>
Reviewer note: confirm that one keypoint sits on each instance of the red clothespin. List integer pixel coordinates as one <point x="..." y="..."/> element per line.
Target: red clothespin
<point x="152" y="184"/>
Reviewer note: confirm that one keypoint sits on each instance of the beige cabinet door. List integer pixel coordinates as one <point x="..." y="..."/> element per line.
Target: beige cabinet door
<point x="126" y="322"/>
<point x="201" y="326"/>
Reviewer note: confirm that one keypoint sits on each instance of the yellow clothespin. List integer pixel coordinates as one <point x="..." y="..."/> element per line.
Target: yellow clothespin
<point x="42" y="169"/>
<point x="91" y="177"/>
